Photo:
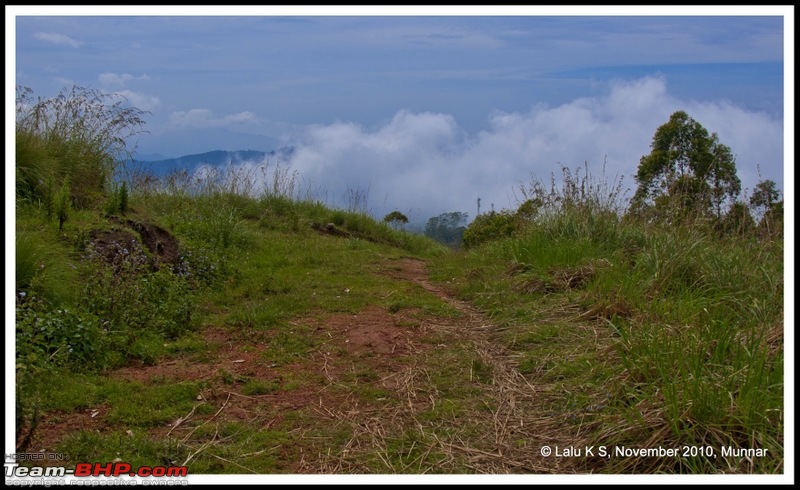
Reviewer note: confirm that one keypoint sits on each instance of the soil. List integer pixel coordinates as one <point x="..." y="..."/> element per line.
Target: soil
<point x="374" y="348"/>
<point x="161" y="243"/>
<point x="118" y="245"/>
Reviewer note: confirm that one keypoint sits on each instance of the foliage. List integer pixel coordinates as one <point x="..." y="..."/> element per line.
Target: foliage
<point x="80" y="135"/>
<point x="577" y="192"/>
<point x="396" y="219"/>
<point x="123" y="197"/>
<point x="60" y="335"/>
<point x="738" y="221"/>
<point x="44" y="274"/>
<point x="62" y="204"/>
<point x="131" y="300"/>
<point x="765" y="195"/>
<point x="640" y="329"/>
<point x="767" y="204"/>
<point x="490" y="226"/>
<point x="447" y="228"/>
<point x="688" y="173"/>
<point x="632" y="333"/>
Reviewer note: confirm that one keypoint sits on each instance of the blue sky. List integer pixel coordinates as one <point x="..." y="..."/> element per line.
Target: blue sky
<point x="427" y="109"/>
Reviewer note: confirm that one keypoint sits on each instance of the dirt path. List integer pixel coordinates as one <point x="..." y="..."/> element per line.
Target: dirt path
<point x="376" y="392"/>
<point x="514" y="430"/>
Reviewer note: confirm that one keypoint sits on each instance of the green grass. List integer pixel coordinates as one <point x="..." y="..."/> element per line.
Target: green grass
<point x="689" y="326"/>
<point x="630" y="331"/>
<point x="578" y="326"/>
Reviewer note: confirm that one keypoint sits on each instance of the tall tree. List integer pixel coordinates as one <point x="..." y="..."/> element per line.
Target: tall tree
<point x="765" y="195"/>
<point x="687" y="169"/>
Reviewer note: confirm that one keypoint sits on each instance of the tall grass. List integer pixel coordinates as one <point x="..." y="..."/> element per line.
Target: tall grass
<point x="78" y="136"/>
<point x="695" y="318"/>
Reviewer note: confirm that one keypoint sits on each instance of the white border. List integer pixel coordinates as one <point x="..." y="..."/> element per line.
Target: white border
<point x="786" y="11"/>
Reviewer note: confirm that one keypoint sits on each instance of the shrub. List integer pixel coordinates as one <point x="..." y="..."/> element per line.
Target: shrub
<point x="489" y="226"/>
<point x="60" y="336"/>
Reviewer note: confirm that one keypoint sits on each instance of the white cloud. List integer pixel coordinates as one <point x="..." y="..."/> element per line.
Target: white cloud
<point x="59" y="39"/>
<point x="141" y="101"/>
<point x="204" y="118"/>
<point x="423" y="163"/>
<point x="119" y="78"/>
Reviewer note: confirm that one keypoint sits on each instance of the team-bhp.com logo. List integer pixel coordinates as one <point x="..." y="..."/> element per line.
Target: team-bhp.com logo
<point x="85" y="470"/>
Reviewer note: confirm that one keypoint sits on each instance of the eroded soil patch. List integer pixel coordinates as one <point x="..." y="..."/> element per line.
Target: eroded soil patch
<point x="119" y="246"/>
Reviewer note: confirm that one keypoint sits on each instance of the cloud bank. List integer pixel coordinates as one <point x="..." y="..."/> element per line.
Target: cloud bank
<point x="141" y="101"/>
<point x="424" y="164"/>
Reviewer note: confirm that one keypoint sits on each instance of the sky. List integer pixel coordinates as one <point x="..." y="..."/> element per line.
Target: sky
<point x="424" y="111"/>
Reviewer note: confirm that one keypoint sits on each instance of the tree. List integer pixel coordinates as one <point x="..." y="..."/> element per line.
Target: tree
<point x="62" y="204"/>
<point x="396" y="219"/>
<point x="447" y="228"/>
<point x="765" y="201"/>
<point x="490" y="226"/>
<point x="688" y="171"/>
<point x="738" y="220"/>
<point x="765" y="196"/>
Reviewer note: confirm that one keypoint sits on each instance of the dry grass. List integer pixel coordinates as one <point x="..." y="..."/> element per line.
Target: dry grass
<point x="501" y="427"/>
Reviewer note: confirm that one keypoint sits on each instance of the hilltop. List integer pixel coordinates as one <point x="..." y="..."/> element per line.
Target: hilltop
<point x="216" y="158"/>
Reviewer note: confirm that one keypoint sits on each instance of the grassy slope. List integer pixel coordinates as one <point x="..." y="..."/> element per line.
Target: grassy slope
<point x="641" y="337"/>
<point x="626" y="337"/>
<point x="282" y="284"/>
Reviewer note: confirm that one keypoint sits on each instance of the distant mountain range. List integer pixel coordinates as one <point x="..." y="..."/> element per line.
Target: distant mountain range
<point x="214" y="158"/>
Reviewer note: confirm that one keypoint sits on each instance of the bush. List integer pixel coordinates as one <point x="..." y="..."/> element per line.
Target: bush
<point x="489" y="226"/>
<point x="60" y="336"/>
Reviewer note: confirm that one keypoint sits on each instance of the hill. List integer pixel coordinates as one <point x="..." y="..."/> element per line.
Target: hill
<point x="232" y="335"/>
<point x="214" y="158"/>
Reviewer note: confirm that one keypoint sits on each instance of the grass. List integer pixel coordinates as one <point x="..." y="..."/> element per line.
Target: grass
<point x="269" y="284"/>
<point x="291" y="337"/>
<point x="639" y="330"/>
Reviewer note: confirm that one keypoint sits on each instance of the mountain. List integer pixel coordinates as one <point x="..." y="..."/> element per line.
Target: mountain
<point x="214" y="158"/>
<point x="193" y="140"/>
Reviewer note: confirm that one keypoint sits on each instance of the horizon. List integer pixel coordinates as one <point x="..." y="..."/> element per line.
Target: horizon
<point x="429" y="109"/>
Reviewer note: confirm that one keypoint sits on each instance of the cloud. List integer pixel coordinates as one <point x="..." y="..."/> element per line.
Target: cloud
<point x="424" y="164"/>
<point x="204" y="118"/>
<point x="141" y="101"/>
<point x="119" y="78"/>
<point x="58" y="39"/>
<point x="66" y="82"/>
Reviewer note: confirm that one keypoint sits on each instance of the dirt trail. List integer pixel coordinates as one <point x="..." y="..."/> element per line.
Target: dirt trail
<point x="514" y="431"/>
<point x="375" y="376"/>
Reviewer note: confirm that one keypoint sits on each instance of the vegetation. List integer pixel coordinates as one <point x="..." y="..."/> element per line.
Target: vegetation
<point x="688" y="176"/>
<point x="684" y="313"/>
<point x="396" y="219"/>
<point x="236" y="329"/>
<point x="447" y="228"/>
<point x="76" y="139"/>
